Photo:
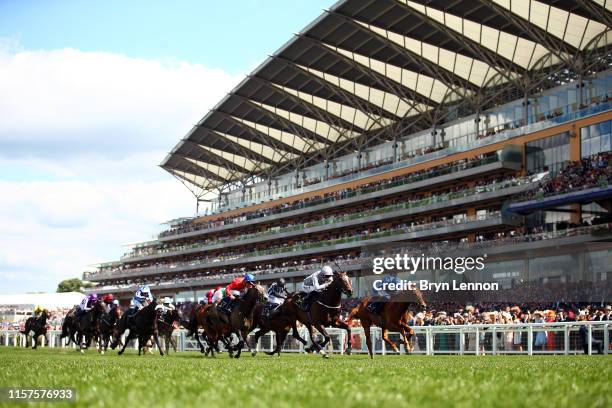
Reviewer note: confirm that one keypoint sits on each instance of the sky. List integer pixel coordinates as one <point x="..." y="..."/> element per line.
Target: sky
<point x="92" y="97"/>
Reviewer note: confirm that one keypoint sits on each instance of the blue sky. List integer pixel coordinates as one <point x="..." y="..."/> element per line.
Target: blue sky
<point x="231" y="35"/>
<point x="93" y="96"/>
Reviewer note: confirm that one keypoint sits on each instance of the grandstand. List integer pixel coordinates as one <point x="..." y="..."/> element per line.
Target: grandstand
<point x="478" y="123"/>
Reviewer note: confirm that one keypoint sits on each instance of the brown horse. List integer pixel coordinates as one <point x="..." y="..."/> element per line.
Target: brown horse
<point x="89" y="326"/>
<point x="37" y="326"/>
<point x="165" y="326"/>
<point x="394" y="316"/>
<point x="241" y="318"/>
<point x="107" y="326"/>
<point x="324" y="311"/>
<point x="206" y="317"/>
<point x="278" y="323"/>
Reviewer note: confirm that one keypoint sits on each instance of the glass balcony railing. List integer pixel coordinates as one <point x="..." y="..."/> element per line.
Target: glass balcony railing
<point x="440" y="198"/>
<point x="364" y="260"/>
<point x="515" y="128"/>
<point x="413" y="178"/>
<point x="168" y="267"/>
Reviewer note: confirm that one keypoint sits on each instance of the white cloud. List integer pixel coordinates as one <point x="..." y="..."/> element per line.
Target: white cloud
<point x="81" y="134"/>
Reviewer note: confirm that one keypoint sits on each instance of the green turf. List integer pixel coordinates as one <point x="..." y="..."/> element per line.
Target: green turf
<point x="188" y="379"/>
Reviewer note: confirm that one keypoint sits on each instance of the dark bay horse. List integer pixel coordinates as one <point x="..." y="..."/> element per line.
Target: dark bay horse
<point x="394" y="316"/>
<point x="107" y="326"/>
<point x="70" y="327"/>
<point x="241" y="318"/>
<point x="89" y="326"/>
<point x="142" y="325"/>
<point x="192" y="319"/>
<point x="278" y="323"/>
<point x="324" y="311"/>
<point x="219" y="326"/>
<point x="37" y="326"/>
<point x="165" y="326"/>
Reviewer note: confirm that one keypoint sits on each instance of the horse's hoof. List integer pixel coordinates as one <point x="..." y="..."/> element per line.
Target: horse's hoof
<point x="102" y="352"/>
<point x="326" y="355"/>
<point x="253" y="353"/>
<point x="82" y="351"/>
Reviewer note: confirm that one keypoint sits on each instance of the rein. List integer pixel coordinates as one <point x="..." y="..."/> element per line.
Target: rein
<point x="327" y="306"/>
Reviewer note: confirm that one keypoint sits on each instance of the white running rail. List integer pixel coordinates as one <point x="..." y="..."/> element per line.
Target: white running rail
<point x="492" y="339"/>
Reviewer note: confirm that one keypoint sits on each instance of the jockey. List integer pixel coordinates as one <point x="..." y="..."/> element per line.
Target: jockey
<point x="277" y="293"/>
<point x="233" y="290"/>
<point x="376" y="305"/>
<point x="37" y="311"/>
<point x="218" y="294"/>
<point x="142" y="297"/>
<point x="317" y="282"/>
<point x="167" y="303"/>
<point x="107" y="302"/>
<point x="86" y="304"/>
<point x="209" y="296"/>
<point x="238" y="285"/>
<point x="388" y="279"/>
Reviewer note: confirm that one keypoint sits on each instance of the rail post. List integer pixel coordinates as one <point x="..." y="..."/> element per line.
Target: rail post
<point x="590" y="339"/>
<point x="461" y="341"/>
<point x="494" y="341"/>
<point x="530" y="340"/>
<point x="606" y="338"/>
<point x="566" y="340"/>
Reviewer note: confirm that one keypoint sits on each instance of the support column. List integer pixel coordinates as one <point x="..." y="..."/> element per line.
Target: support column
<point x="575" y="154"/>
<point x="471" y="212"/>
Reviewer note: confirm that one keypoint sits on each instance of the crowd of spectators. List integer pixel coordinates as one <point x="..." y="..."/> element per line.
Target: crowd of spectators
<point x="592" y="171"/>
<point x="190" y="225"/>
<point x="341" y="215"/>
<point x="14" y="318"/>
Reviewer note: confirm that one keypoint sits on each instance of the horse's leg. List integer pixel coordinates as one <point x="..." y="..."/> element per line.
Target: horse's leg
<point x="368" y="336"/>
<point x="315" y="345"/>
<point x="326" y="340"/>
<point x="385" y="337"/>
<point x="35" y="338"/>
<point x="342" y="325"/>
<point x="197" y="336"/>
<point x="254" y="341"/>
<point x="156" y="338"/>
<point x="407" y="340"/>
<point x="296" y="335"/>
<point x="280" y="340"/>
<point x="127" y="340"/>
<point x="173" y="341"/>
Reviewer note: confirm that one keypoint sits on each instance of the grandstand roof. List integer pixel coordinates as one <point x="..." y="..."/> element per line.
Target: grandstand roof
<point x="367" y="70"/>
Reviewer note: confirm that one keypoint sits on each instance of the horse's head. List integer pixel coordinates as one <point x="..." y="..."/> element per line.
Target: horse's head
<point x="344" y="282"/>
<point x="256" y="292"/>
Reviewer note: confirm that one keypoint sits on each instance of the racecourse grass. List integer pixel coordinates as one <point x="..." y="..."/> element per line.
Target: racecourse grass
<point x="189" y="379"/>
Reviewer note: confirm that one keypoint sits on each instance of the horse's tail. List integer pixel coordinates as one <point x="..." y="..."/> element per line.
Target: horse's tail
<point x="355" y="311"/>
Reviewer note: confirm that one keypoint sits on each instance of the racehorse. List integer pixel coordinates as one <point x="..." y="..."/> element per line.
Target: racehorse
<point x="219" y="326"/>
<point x="89" y="325"/>
<point x="142" y="325"/>
<point x="324" y="311"/>
<point x="36" y="325"/>
<point x="192" y="318"/>
<point x="70" y="327"/>
<point x="107" y="325"/>
<point x="394" y="316"/>
<point x="241" y="317"/>
<point x="165" y="326"/>
<point x="278" y="323"/>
